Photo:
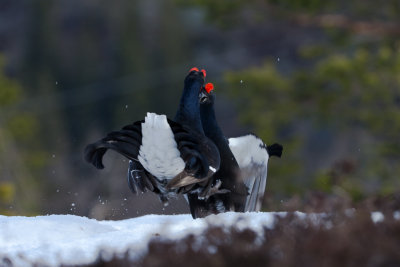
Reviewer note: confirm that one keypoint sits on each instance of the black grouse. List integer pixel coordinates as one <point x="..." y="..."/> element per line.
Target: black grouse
<point x="243" y="169"/>
<point x="167" y="156"/>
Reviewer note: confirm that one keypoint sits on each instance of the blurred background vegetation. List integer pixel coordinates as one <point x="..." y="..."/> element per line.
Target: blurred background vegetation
<point x="320" y="77"/>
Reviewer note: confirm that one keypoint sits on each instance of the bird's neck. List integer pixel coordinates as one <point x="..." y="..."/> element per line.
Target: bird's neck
<point x="229" y="172"/>
<point x="189" y="109"/>
<point x="213" y="131"/>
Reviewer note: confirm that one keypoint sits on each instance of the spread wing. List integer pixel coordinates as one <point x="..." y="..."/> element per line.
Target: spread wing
<point x="160" y="146"/>
<point x="165" y="156"/>
<point x="126" y="142"/>
<point x="251" y="154"/>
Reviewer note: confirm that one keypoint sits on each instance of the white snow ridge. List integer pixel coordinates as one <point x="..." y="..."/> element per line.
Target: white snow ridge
<point x="56" y="240"/>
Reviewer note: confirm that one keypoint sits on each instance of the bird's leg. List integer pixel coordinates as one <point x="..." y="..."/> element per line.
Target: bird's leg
<point x="212" y="190"/>
<point x="135" y="178"/>
<point x="164" y="199"/>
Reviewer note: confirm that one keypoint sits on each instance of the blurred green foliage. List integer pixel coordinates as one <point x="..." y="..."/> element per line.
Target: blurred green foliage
<point x="225" y="11"/>
<point x="7" y="192"/>
<point x="76" y="70"/>
<point x="7" y="195"/>
<point x="352" y="97"/>
<point x="18" y="143"/>
<point x="337" y="112"/>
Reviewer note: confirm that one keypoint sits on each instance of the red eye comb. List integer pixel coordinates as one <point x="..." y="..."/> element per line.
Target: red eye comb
<point x="209" y="87"/>
<point x="193" y="69"/>
<point x="204" y="73"/>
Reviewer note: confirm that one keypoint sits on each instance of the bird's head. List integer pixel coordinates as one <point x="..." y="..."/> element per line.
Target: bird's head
<point x="207" y="96"/>
<point x="195" y="79"/>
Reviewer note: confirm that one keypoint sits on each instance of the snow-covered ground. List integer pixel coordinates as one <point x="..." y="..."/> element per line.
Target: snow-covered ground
<point x="56" y="240"/>
<point x="68" y="239"/>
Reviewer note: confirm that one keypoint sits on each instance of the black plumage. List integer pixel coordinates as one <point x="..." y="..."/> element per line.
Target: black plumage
<point x="199" y="154"/>
<point x="232" y="191"/>
<point x="244" y="180"/>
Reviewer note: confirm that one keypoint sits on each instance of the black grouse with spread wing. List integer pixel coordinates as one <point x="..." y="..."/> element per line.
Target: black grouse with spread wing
<point x="167" y="157"/>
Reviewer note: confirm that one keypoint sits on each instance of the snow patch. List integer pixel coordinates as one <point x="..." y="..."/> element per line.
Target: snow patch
<point x="56" y="240"/>
<point x="396" y="215"/>
<point x="71" y="240"/>
<point x="377" y="216"/>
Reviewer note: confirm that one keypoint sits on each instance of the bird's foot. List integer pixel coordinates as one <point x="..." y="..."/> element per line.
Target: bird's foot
<point x="213" y="190"/>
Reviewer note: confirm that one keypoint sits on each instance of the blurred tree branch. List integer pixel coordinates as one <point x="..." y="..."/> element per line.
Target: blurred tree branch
<point x="375" y="28"/>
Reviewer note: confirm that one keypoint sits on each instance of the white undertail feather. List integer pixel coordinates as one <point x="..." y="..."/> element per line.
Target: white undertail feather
<point x="263" y="185"/>
<point x="158" y="153"/>
<point x="251" y="155"/>
<point x="247" y="148"/>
